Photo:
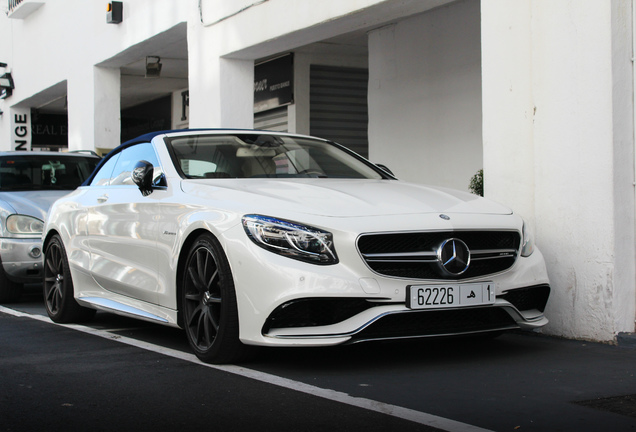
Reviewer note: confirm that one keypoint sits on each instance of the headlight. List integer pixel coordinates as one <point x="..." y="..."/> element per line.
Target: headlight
<point x="21" y="224"/>
<point x="291" y="239"/>
<point x="527" y="246"/>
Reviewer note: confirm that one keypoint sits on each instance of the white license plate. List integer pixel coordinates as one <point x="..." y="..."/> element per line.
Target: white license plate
<point x="449" y="295"/>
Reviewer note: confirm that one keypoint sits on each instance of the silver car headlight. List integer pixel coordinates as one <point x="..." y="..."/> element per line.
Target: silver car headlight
<point x="291" y="239"/>
<point x="527" y="247"/>
<point x="24" y="225"/>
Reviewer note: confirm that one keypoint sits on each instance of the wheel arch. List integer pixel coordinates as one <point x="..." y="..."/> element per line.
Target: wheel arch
<point x="47" y="239"/>
<point x="183" y="255"/>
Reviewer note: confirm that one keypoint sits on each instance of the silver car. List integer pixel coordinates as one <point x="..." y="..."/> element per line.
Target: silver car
<point x="29" y="183"/>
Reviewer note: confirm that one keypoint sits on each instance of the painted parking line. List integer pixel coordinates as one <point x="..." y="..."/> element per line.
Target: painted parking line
<point x="368" y="404"/>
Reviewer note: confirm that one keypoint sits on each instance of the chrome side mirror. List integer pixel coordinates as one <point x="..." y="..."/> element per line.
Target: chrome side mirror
<point x="142" y="176"/>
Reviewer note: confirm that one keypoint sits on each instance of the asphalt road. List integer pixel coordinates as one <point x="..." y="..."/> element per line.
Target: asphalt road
<point x="123" y="374"/>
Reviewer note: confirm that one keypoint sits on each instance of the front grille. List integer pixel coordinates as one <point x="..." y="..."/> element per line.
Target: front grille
<point x="438" y="323"/>
<point x="528" y="298"/>
<point x="413" y="255"/>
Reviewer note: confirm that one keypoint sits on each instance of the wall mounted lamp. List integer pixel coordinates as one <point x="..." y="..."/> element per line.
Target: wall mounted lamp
<point x="6" y="83"/>
<point x="114" y="12"/>
<point x="153" y="66"/>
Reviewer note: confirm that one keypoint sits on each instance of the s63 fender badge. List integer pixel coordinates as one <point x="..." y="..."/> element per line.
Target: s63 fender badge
<point x="445" y="217"/>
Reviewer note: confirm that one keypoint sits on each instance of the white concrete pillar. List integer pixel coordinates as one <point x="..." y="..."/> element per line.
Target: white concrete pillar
<point x="557" y="131"/>
<point x="221" y="89"/>
<point x="299" y="112"/>
<point x="94" y="114"/>
<point x="507" y="104"/>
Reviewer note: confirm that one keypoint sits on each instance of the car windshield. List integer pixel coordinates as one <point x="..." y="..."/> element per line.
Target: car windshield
<point x="44" y="172"/>
<point x="253" y="155"/>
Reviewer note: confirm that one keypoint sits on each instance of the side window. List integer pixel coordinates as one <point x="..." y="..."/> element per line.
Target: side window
<point x="105" y="173"/>
<point x="129" y="158"/>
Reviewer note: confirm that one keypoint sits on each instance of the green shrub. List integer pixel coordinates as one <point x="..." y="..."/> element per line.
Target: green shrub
<point x="477" y="183"/>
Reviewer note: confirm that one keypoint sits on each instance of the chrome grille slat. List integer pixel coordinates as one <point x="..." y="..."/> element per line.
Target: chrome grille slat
<point x="398" y="254"/>
<point x="413" y="255"/>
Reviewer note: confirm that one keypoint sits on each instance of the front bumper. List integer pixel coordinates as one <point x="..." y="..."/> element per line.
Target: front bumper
<point x="276" y="296"/>
<point x="22" y="259"/>
<point x="379" y="322"/>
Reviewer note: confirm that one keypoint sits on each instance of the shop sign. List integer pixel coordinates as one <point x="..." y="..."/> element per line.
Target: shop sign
<point x="147" y="117"/>
<point x="274" y="83"/>
<point x="185" y="104"/>
<point x="49" y="129"/>
<point x="21" y="129"/>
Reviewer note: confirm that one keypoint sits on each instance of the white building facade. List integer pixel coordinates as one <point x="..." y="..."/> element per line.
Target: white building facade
<point x="538" y="93"/>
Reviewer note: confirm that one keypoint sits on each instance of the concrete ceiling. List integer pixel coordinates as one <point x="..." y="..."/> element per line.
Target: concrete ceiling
<point x="172" y="48"/>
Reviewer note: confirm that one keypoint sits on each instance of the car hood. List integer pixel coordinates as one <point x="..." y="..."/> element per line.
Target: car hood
<point x="341" y="197"/>
<point x="32" y="203"/>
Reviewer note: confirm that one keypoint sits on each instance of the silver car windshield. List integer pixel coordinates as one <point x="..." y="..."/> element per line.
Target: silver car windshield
<point x="46" y="172"/>
<point x="271" y="156"/>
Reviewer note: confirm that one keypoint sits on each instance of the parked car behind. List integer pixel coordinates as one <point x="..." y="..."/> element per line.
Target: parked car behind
<point x="29" y="183"/>
<point x="262" y="238"/>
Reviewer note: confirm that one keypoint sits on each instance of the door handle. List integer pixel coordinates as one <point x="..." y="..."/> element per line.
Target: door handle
<point x="102" y="198"/>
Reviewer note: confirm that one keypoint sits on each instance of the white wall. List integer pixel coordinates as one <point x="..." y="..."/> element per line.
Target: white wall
<point x="425" y="96"/>
<point x="56" y="48"/>
<point x="224" y="37"/>
<point x="5" y="57"/>
<point x="260" y="28"/>
<point x="221" y="89"/>
<point x="558" y="146"/>
<point x="538" y="93"/>
<point x="249" y="30"/>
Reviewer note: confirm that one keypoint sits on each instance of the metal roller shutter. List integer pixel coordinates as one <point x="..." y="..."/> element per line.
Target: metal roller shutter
<point x="338" y="106"/>
<point x="272" y="120"/>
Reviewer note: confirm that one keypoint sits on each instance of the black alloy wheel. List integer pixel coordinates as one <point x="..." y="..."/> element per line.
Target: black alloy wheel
<point x="210" y="313"/>
<point x="58" y="286"/>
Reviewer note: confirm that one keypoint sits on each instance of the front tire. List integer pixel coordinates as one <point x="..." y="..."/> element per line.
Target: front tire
<point x="208" y="301"/>
<point x="58" y="286"/>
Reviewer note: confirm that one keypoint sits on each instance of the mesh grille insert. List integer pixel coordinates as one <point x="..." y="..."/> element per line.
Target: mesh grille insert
<point x="528" y="298"/>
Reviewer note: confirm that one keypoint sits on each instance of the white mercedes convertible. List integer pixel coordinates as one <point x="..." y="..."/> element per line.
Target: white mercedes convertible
<point x="256" y="238"/>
